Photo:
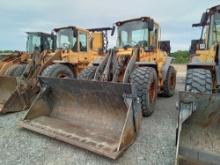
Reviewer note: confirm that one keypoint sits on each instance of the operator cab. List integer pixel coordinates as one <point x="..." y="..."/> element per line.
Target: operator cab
<point x="68" y="38"/>
<point x="141" y="32"/>
<point x="210" y="35"/>
<point x="38" y="42"/>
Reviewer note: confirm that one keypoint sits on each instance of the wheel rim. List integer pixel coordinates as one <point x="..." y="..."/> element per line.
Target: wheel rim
<point x="172" y="81"/>
<point x="152" y="92"/>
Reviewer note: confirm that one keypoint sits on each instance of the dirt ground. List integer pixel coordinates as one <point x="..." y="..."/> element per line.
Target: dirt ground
<point x="154" y="145"/>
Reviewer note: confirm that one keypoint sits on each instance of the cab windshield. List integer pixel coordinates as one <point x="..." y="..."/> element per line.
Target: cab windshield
<point x="34" y="43"/>
<point x="37" y="42"/>
<point x="66" y="39"/>
<point x="133" y="33"/>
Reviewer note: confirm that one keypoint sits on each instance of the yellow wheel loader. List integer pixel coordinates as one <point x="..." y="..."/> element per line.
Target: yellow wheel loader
<point x="78" y="48"/>
<point x="36" y="42"/>
<point x="13" y="59"/>
<point x="198" y="132"/>
<point x="139" y="58"/>
<point x="18" y="83"/>
<point x="86" y="45"/>
<point x="102" y="110"/>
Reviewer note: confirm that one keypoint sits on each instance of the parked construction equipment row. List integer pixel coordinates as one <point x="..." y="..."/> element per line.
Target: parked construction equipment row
<point x="69" y="78"/>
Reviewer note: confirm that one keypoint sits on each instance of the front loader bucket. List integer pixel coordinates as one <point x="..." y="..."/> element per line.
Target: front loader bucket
<point x="10" y="100"/>
<point x="98" y="116"/>
<point x="198" y="133"/>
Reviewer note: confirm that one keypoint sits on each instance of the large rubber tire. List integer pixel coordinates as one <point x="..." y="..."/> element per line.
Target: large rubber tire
<point x="58" y="71"/>
<point x="88" y="73"/>
<point x="199" y="81"/>
<point x="170" y="82"/>
<point x="15" y="70"/>
<point x="145" y="81"/>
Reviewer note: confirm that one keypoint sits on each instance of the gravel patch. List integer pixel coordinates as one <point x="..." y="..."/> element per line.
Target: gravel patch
<point x="154" y="145"/>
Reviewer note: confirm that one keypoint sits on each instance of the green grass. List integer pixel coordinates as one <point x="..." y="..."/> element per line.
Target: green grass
<point x="180" y="57"/>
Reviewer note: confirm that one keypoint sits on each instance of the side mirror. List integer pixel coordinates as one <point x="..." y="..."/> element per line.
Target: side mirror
<point x="204" y="18"/>
<point x="151" y="25"/>
<point x="113" y="31"/>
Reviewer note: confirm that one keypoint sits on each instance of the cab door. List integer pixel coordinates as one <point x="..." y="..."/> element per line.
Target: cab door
<point x="83" y="48"/>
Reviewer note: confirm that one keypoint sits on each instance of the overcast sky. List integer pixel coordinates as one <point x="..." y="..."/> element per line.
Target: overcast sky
<point x="174" y="16"/>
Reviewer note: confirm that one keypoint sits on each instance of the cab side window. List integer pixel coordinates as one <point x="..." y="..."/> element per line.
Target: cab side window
<point x="48" y="43"/>
<point x="154" y="37"/>
<point x="37" y="43"/>
<point x="83" y="42"/>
